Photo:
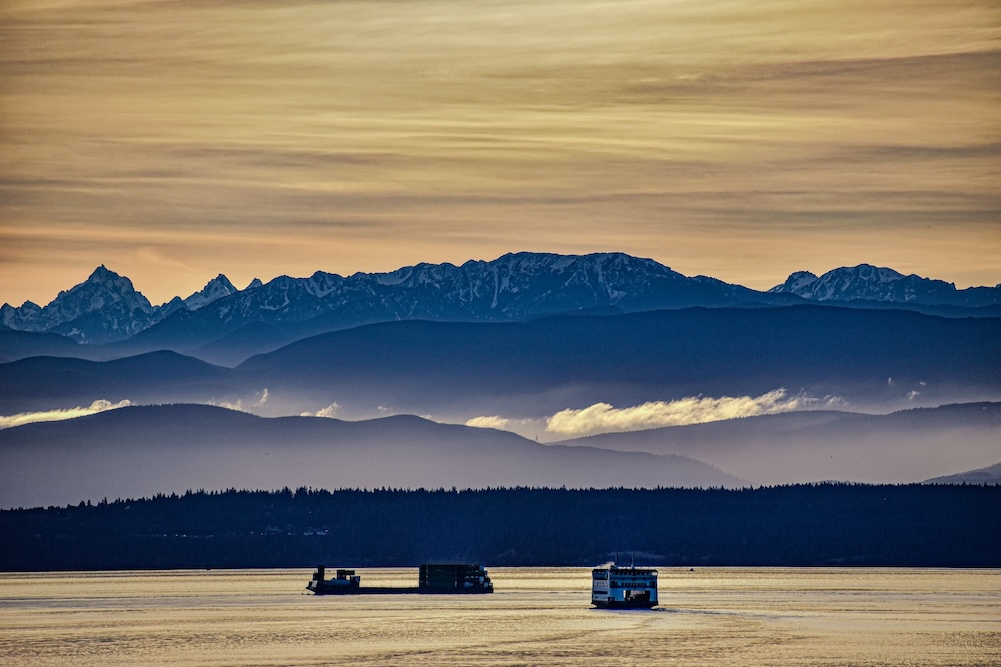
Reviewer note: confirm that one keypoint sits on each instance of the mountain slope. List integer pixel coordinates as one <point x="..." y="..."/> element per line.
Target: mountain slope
<point x="106" y="312"/>
<point x="560" y="362"/>
<point x="140" y="451"/>
<point x="988" y="475"/>
<point x="870" y="283"/>
<point x="46" y="383"/>
<point x="16" y="345"/>
<point x="513" y="287"/>
<point x="533" y="369"/>
<point x="105" y="308"/>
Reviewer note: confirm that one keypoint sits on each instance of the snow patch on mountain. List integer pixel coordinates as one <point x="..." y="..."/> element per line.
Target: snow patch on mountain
<point x="217" y="288"/>
<point x="866" y="282"/>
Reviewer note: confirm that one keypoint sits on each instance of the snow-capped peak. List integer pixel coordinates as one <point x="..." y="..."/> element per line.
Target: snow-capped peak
<point x="866" y="282"/>
<point x="216" y="288"/>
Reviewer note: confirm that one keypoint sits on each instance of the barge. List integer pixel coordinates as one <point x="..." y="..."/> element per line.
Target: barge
<point x="435" y="578"/>
<point x="614" y="587"/>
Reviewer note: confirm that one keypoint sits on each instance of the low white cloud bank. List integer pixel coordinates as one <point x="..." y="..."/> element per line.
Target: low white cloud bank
<point x="501" y="423"/>
<point x="57" y="415"/>
<point x="604" y="418"/>
<point x="329" y="412"/>
<point x="259" y="399"/>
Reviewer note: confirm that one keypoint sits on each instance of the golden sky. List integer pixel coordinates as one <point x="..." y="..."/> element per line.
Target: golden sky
<point x="172" y="140"/>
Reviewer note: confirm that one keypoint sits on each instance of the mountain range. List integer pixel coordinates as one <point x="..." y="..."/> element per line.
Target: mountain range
<point x="869" y="359"/>
<point x="225" y="325"/>
<point x="873" y="376"/>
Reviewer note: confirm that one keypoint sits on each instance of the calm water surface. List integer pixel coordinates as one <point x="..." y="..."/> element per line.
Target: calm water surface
<point x="538" y="616"/>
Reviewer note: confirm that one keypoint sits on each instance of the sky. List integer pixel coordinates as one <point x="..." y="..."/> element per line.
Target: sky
<point x="172" y="140"/>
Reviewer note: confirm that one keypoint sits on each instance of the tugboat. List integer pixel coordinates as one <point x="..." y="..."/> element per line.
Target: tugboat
<point x="614" y="587"/>
<point x="347" y="582"/>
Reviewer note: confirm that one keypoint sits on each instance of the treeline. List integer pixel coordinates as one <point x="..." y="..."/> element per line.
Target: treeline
<point x="804" y="525"/>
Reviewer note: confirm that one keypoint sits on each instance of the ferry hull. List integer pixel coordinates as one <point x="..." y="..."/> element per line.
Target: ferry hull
<point x="629" y="604"/>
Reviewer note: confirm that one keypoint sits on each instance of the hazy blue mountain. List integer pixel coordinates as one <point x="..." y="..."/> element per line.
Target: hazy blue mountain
<point x="870" y="283"/>
<point x="902" y="447"/>
<point x="45" y="383"/>
<point x="535" y="368"/>
<point x="140" y="451"/>
<point x="555" y="363"/>
<point x="988" y="475"/>
<point x="20" y="344"/>
<point x="245" y="342"/>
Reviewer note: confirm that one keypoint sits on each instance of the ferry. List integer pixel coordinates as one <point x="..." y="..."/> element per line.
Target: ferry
<point x="433" y="578"/>
<point x="614" y="587"/>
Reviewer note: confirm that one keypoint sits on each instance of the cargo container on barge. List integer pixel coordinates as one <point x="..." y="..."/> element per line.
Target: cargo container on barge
<point x="435" y="578"/>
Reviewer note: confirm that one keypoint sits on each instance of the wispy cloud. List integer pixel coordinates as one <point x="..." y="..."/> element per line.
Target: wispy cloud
<point x="330" y="411"/>
<point x="57" y="415"/>
<point x="258" y="400"/>
<point x="489" y="422"/>
<point x="604" y="418"/>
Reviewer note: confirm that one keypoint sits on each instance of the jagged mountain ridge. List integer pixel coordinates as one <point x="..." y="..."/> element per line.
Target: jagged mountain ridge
<point x="866" y="282"/>
<point x="102" y="308"/>
<point x="512" y="287"/>
<point x="107" y="309"/>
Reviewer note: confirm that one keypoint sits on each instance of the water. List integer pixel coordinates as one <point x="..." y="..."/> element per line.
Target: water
<point x="538" y="616"/>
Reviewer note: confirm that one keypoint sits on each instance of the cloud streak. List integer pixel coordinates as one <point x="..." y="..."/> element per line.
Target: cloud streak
<point x="493" y="421"/>
<point x="59" y="415"/>
<point x="258" y="401"/>
<point x="330" y="412"/>
<point x="604" y="418"/>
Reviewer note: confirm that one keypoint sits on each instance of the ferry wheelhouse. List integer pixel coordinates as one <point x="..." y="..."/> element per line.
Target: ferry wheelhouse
<point x="614" y="587"/>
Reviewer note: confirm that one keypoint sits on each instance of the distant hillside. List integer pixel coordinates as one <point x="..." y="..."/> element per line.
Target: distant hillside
<point x="45" y="383"/>
<point x="906" y="446"/>
<point x="988" y="475"/>
<point x="141" y="451"/>
<point x="16" y="345"/>
<point x="559" y="362"/>
<point x="535" y="368"/>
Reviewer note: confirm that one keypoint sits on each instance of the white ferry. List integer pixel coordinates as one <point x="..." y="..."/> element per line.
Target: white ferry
<point x="614" y="587"/>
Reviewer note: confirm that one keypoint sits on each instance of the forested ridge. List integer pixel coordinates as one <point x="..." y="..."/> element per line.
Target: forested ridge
<point x="803" y="525"/>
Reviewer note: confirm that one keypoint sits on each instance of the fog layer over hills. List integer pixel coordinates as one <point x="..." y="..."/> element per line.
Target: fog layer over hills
<point x="140" y="451"/>
<point x="906" y="446"/>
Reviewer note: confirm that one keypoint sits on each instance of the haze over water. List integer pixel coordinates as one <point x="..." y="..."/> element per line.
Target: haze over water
<point x="538" y="616"/>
